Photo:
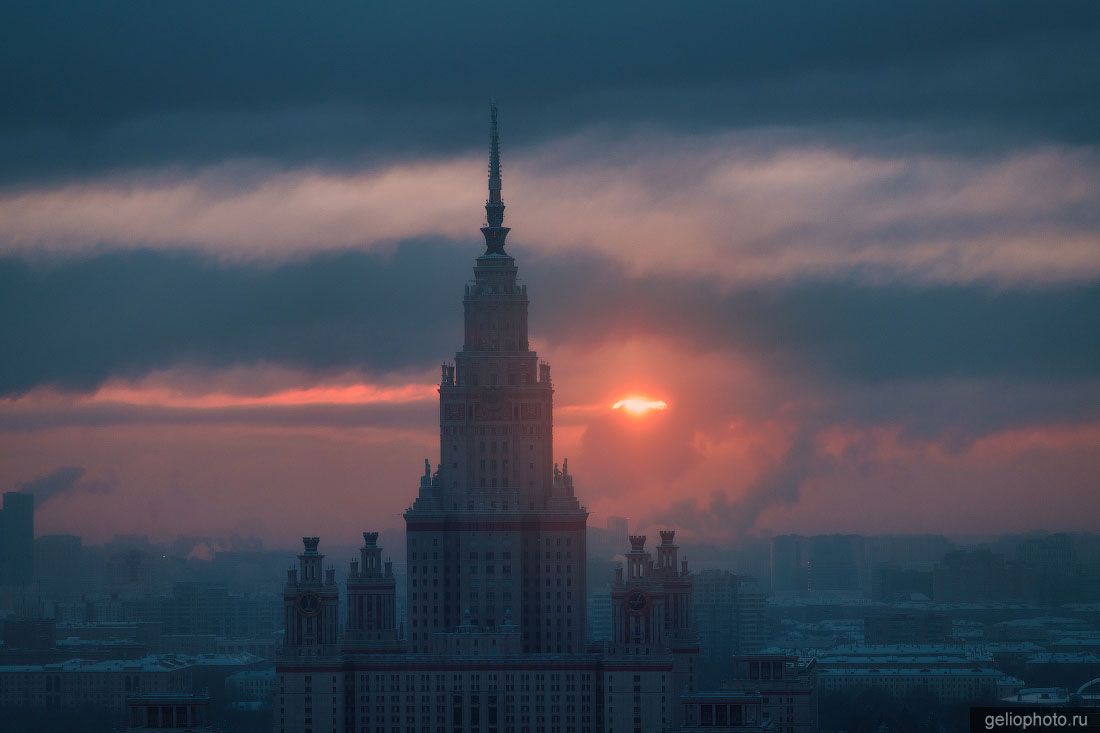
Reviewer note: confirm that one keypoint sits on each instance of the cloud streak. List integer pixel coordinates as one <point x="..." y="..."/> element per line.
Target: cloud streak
<point x="63" y="481"/>
<point x="77" y="324"/>
<point x="745" y="208"/>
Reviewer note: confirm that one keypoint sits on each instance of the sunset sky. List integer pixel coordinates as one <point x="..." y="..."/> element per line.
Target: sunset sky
<point x="853" y="247"/>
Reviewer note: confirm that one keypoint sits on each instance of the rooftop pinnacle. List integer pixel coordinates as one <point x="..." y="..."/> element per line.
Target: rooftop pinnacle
<point x="494" y="230"/>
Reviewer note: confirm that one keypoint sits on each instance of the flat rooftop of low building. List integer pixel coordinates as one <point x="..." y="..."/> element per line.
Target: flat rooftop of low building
<point x="721" y="696"/>
<point x="151" y="663"/>
<point x="165" y="697"/>
<point x="924" y="672"/>
<point x="1064" y="658"/>
<point x="1040" y="696"/>
<point x="253" y="674"/>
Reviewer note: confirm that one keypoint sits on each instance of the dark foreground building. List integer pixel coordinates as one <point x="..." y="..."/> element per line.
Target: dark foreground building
<point x="496" y="572"/>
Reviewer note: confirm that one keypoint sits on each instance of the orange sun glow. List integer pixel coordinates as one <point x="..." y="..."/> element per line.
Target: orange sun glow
<point x="639" y="405"/>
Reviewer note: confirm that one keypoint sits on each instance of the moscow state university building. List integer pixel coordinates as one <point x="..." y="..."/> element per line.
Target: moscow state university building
<point x="494" y="639"/>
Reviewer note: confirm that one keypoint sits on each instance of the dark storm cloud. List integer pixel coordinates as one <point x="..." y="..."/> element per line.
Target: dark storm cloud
<point x="78" y="322"/>
<point x="63" y="481"/>
<point x="409" y="416"/>
<point x="94" y="85"/>
<point x="75" y="323"/>
<point x="842" y="329"/>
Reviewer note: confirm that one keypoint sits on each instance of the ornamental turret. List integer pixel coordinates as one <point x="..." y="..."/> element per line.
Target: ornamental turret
<point x="372" y="615"/>
<point x="310" y="604"/>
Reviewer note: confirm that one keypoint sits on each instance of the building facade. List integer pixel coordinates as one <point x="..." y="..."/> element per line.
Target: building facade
<point x="496" y="529"/>
<point x="730" y="613"/>
<point x="787" y="686"/>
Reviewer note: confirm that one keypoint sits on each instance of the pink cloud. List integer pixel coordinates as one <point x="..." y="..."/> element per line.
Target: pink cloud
<point x="737" y="206"/>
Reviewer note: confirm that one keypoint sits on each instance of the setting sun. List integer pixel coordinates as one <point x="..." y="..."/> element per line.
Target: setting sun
<point x="639" y="405"/>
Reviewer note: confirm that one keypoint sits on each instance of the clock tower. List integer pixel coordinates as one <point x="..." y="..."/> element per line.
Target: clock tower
<point x="310" y="604"/>
<point x="652" y="617"/>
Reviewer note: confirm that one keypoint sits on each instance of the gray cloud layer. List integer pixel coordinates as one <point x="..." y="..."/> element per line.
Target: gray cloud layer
<point x="108" y="85"/>
<point x="78" y="322"/>
<point x="63" y="481"/>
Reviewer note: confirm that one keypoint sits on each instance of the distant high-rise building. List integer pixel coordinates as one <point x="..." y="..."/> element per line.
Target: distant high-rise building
<point x="907" y="628"/>
<point x="57" y="566"/>
<point x="599" y="616"/>
<point x="816" y="564"/>
<point x="730" y="615"/>
<point x="619" y="527"/>
<point x="910" y="551"/>
<point x="17" y="539"/>
<point x="890" y="583"/>
<point x="752" y="623"/>
<point x="976" y="576"/>
<point x="834" y="563"/>
<point x="788" y="563"/>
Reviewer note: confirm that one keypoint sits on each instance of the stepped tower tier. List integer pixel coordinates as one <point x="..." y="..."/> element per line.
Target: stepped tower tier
<point x="496" y="529"/>
<point x="310" y="604"/>
<point x="372" y="613"/>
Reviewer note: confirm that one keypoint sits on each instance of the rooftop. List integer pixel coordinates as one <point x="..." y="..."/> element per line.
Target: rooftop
<point x="151" y="663"/>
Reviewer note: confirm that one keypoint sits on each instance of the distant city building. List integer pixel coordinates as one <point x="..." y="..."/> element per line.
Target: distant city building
<point x="752" y="619"/>
<point x="835" y="563"/>
<point x="904" y="656"/>
<point x="789" y="558"/>
<point x="497" y="635"/>
<point x="974" y="685"/>
<point x="166" y="712"/>
<point x="110" y="683"/>
<point x="907" y="628"/>
<point x="817" y="564"/>
<point x="599" y="617"/>
<point x="251" y="686"/>
<point x="893" y="583"/>
<point x="976" y="576"/>
<point x="723" y="711"/>
<point x="58" y="566"/>
<point x="787" y="686"/>
<point x="17" y="539"/>
<point x="730" y="613"/>
<point x="852" y="563"/>
<point x="907" y="551"/>
<point x="619" y="527"/>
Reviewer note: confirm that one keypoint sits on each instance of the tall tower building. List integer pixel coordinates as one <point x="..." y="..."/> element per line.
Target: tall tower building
<point x="496" y="530"/>
<point x="17" y="539"/>
<point x="496" y="551"/>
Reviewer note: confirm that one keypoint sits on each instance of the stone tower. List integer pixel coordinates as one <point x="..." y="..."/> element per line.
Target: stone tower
<point x="310" y="604"/>
<point x="371" y="599"/>
<point x="496" y="530"/>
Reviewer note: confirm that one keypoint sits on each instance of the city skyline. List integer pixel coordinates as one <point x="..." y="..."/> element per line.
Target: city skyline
<point x="227" y="302"/>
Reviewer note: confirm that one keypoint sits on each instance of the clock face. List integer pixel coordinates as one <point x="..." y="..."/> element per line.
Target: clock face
<point x="636" y="601"/>
<point x="309" y="604"/>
